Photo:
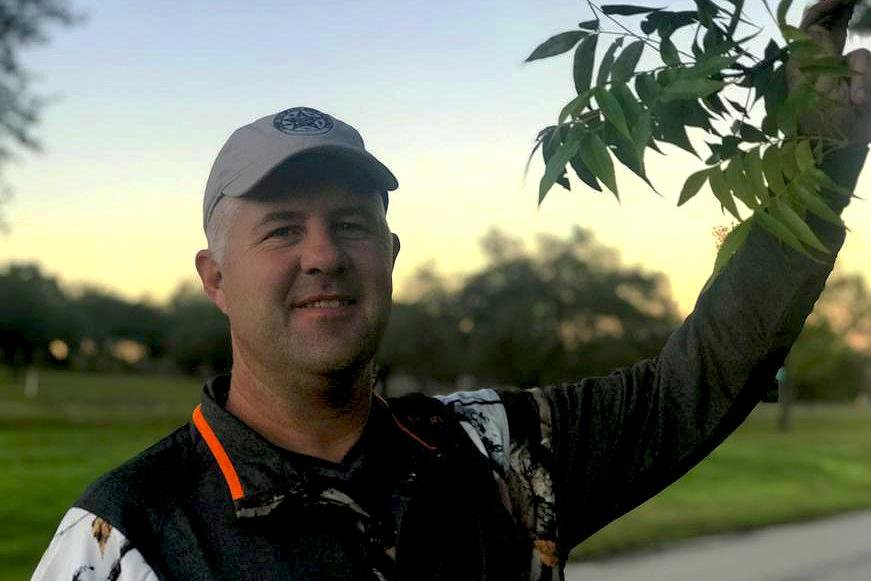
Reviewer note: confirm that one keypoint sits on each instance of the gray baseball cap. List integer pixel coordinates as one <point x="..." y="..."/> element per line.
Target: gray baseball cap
<point x="253" y="151"/>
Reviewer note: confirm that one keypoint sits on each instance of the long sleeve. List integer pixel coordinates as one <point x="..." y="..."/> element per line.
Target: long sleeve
<point x="87" y="547"/>
<point x="620" y="439"/>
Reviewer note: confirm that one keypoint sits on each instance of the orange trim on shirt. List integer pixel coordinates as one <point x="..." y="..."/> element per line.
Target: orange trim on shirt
<point x="219" y="453"/>
<point x="402" y="427"/>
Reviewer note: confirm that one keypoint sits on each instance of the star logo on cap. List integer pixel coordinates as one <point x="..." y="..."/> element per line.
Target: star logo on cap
<point x="302" y="121"/>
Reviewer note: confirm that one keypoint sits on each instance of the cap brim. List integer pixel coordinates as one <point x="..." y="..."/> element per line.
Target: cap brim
<point x="248" y="179"/>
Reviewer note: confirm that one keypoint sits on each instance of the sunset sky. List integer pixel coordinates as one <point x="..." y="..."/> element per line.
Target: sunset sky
<point x="143" y="94"/>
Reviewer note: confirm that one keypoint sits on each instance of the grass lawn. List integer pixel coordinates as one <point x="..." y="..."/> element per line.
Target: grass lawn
<point x="80" y="425"/>
<point x="53" y="446"/>
<point x="759" y="476"/>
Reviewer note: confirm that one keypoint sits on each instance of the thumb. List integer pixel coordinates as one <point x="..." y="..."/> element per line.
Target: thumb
<point x="833" y="16"/>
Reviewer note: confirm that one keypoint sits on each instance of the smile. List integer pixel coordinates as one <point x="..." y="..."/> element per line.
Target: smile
<point x="326" y="304"/>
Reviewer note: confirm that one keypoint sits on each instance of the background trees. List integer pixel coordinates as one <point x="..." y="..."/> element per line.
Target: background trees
<point x="562" y="309"/>
<point x="22" y="23"/>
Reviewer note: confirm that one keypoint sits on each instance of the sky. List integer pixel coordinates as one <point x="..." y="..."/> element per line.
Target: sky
<point x="141" y="96"/>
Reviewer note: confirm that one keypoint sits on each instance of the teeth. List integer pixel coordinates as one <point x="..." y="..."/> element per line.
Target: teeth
<point x="329" y="304"/>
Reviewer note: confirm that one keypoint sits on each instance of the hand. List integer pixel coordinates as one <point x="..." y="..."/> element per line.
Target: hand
<point x="846" y="112"/>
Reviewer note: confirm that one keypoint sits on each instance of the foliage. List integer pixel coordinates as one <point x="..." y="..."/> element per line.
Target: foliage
<point x="768" y="168"/>
<point x="189" y="333"/>
<point x="32" y="313"/>
<point x="197" y="333"/>
<point x="831" y="360"/>
<point x="22" y="23"/>
<point x="567" y="310"/>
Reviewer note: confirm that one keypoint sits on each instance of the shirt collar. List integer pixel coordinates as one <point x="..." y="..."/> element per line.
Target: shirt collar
<point x="259" y="475"/>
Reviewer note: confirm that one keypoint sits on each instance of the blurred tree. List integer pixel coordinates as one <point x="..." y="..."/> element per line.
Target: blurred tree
<point x="104" y="319"/>
<point x="422" y="338"/>
<point x="198" y="334"/>
<point x="567" y="310"/>
<point x="831" y="357"/>
<point x="22" y="23"/>
<point x="33" y="312"/>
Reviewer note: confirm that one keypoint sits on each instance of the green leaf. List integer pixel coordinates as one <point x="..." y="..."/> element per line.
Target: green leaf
<point x="793" y="34"/>
<point x="556" y="165"/>
<point x="787" y="160"/>
<point x="671" y="130"/>
<point x="780" y="231"/>
<point x="627" y="9"/>
<point x="731" y="244"/>
<point x="589" y="24"/>
<point x="775" y="90"/>
<point x="722" y="192"/>
<point x="707" y="11"/>
<point x="628" y="102"/>
<point x="690" y="89"/>
<point x="737" y="106"/>
<point x="769" y="125"/>
<point x="595" y="156"/>
<point x="736" y="17"/>
<point x="666" y="22"/>
<point x="612" y="110"/>
<point x="729" y="147"/>
<point x="794" y="222"/>
<point x="642" y="131"/>
<point x="804" y="156"/>
<point x="800" y="100"/>
<point x="584" y="62"/>
<point x="711" y="65"/>
<point x="753" y="168"/>
<point x="715" y="104"/>
<point x="558" y="44"/>
<point x="740" y="183"/>
<point x="584" y="173"/>
<point x="750" y="133"/>
<point x="669" y="54"/>
<point x="624" y="65"/>
<point x="829" y="183"/>
<point x="538" y="143"/>
<point x="574" y="106"/>
<point x="773" y="169"/>
<point x="608" y="62"/>
<point x="782" y="9"/>
<point x="625" y="151"/>
<point x="814" y="203"/>
<point x="647" y="89"/>
<point x="692" y="186"/>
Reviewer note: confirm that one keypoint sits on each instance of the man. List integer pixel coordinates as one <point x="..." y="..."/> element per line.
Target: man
<point x="292" y="469"/>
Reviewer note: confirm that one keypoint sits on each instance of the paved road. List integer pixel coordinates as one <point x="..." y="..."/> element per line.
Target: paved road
<point x="834" y="549"/>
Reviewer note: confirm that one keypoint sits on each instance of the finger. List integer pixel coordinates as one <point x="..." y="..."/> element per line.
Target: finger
<point x="859" y="62"/>
<point x="828" y="11"/>
<point x="832" y="16"/>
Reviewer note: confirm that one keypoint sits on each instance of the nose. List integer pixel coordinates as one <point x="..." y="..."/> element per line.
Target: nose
<point x="321" y="254"/>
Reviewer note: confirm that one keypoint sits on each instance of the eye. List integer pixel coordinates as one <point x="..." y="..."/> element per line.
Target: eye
<point x="349" y="227"/>
<point x="282" y="232"/>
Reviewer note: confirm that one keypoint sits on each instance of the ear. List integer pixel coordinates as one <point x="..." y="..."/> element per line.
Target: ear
<point x="396" y="246"/>
<point x="210" y="274"/>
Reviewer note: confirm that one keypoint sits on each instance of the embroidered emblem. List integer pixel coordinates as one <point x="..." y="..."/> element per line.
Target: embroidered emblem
<point x="303" y="121"/>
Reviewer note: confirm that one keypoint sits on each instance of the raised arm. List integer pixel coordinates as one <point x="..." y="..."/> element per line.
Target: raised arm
<point x="620" y="439"/>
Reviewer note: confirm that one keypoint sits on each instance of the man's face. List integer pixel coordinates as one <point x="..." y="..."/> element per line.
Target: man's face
<point x="307" y="279"/>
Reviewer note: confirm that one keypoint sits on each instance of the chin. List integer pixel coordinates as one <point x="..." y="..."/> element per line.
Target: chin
<point x="334" y="362"/>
